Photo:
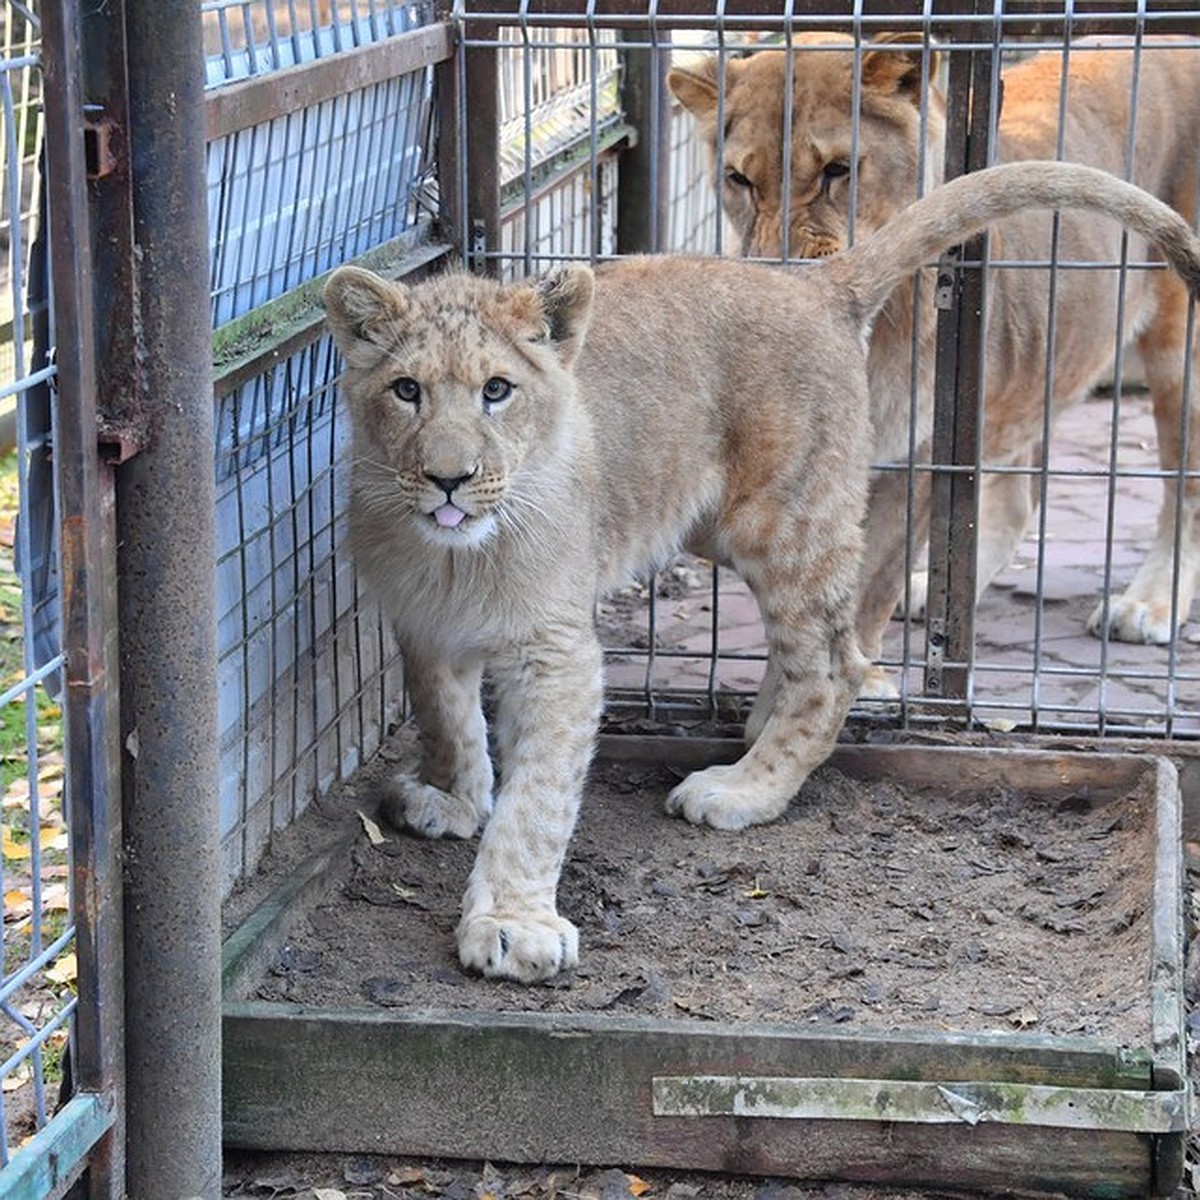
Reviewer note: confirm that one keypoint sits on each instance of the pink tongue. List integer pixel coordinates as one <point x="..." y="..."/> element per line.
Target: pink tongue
<point x="448" y="516"/>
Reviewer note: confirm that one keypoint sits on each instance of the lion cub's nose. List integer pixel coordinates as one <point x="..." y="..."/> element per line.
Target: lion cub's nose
<point x="448" y="484"/>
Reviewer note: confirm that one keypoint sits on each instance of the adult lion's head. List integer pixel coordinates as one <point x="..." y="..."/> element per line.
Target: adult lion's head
<point x="460" y="394"/>
<point x="743" y="119"/>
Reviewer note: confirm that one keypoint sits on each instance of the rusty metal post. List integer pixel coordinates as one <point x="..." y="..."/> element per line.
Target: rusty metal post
<point x="958" y="395"/>
<point x="166" y="510"/>
<point x="87" y="562"/>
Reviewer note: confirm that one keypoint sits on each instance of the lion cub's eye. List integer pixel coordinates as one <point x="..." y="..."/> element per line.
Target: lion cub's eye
<point x="496" y="390"/>
<point x="406" y="389"/>
<point x="737" y="178"/>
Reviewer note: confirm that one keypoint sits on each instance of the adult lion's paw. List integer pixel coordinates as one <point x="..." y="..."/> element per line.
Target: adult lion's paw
<point x="1133" y="620"/>
<point x="429" y="811"/>
<point x="525" y="946"/>
<point x="721" y="797"/>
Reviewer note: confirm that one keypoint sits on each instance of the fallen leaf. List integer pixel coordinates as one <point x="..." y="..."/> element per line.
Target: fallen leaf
<point x="13" y="850"/>
<point x="405" y="1175"/>
<point x="17" y="1078"/>
<point x="374" y="833"/>
<point x="17" y="904"/>
<point x="65" y="970"/>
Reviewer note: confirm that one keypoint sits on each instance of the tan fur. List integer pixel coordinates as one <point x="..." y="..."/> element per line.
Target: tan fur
<point x="890" y="139"/>
<point x="713" y="404"/>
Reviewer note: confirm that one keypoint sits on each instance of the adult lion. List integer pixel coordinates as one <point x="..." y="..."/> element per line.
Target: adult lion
<point x="517" y="449"/>
<point x="893" y="146"/>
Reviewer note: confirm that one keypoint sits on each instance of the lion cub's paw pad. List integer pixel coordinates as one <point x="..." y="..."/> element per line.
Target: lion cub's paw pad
<point x="525" y="946"/>
<point x="429" y="811"/>
<point x="710" y="798"/>
<point x="1133" y="621"/>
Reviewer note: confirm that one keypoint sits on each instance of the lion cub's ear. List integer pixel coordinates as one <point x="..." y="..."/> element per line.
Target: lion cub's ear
<point x="898" y="71"/>
<point x="566" y="296"/>
<point x="694" y="82"/>
<point x="364" y="313"/>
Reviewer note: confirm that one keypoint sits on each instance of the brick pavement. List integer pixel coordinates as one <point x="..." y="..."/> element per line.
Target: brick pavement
<point x="1035" y="664"/>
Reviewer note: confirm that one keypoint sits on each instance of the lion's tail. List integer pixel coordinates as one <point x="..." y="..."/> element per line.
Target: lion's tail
<point x="961" y="208"/>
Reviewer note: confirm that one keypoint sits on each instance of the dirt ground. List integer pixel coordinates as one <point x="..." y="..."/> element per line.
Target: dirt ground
<point x="868" y="906"/>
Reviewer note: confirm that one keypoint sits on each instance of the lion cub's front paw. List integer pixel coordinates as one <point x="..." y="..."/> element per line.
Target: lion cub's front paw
<point x="429" y="811"/>
<point x="721" y="797"/>
<point x="525" y="946"/>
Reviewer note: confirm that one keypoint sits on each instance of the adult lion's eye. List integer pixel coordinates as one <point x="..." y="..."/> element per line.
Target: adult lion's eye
<point x="839" y="168"/>
<point x="496" y="390"/>
<point x="406" y="389"/>
<point x="737" y="178"/>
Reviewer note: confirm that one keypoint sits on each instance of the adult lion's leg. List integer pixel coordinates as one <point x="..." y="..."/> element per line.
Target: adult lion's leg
<point x="1006" y="503"/>
<point x="885" y="561"/>
<point x="806" y="591"/>
<point x="452" y="794"/>
<point x="548" y="707"/>
<point x="1143" y="612"/>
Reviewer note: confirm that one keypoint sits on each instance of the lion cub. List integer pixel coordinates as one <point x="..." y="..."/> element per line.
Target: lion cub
<point x="516" y="449"/>
<point x="897" y="150"/>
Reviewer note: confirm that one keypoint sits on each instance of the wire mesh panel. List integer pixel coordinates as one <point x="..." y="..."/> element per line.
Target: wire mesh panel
<point x="308" y="673"/>
<point x="807" y="131"/>
<point x="37" y="993"/>
<point x="560" y="121"/>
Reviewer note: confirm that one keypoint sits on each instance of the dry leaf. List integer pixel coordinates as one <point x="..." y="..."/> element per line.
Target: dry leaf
<point x="638" y="1187"/>
<point x="374" y="833"/>
<point x="13" y="850"/>
<point x="18" y="904"/>
<point x="65" y="970"/>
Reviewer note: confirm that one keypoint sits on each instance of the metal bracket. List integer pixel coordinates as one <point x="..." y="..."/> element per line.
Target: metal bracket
<point x="101" y="139"/>
<point x="477" y="252"/>
<point x="118" y="445"/>
<point x="948" y="276"/>
<point x="935" y="654"/>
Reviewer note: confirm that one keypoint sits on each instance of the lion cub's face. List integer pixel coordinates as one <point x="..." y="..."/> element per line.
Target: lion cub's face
<point x="459" y="390"/>
<point x="823" y="146"/>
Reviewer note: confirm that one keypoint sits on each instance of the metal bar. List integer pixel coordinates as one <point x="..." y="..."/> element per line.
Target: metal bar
<point x="478" y="126"/>
<point x="644" y="190"/>
<point x="1023" y="17"/>
<point x="168" y="642"/>
<point x="52" y="1158"/>
<point x="264" y="98"/>
<point x="950" y="615"/>
<point x="930" y="1103"/>
<point x="88" y="581"/>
